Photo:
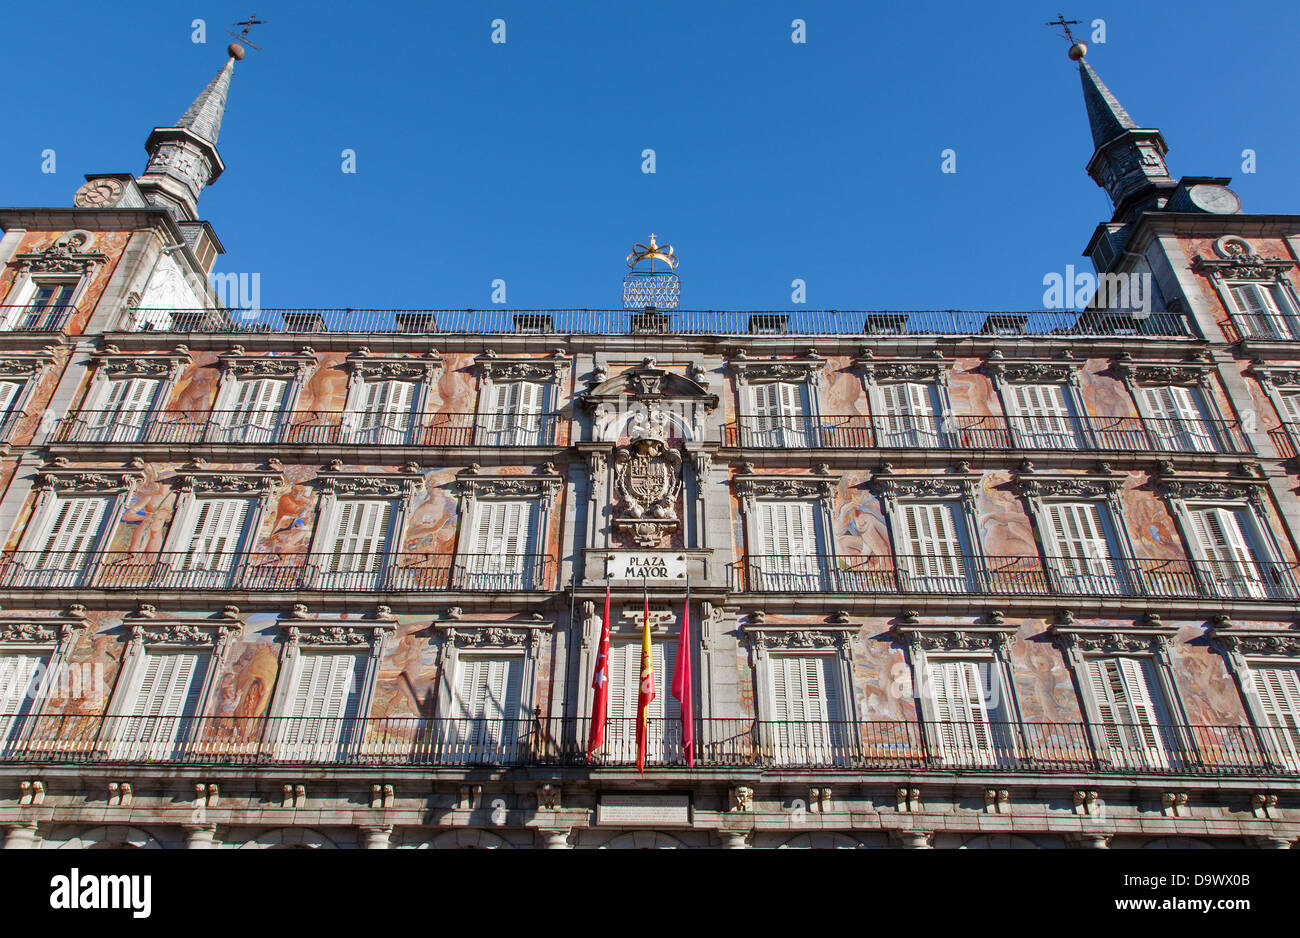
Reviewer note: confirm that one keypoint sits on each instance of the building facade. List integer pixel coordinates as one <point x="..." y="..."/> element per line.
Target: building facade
<point x="337" y="577"/>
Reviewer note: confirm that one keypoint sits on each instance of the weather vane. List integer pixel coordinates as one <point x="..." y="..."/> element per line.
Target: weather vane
<point x="1078" y="48"/>
<point x="235" y="49"/>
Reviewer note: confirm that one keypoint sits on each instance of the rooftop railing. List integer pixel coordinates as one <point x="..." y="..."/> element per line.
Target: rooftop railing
<point x="882" y="323"/>
<point x="1015" y="576"/>
<point x="863" y="431"/>
<point x="874" y="746"/>
<point x="311" y="428"/>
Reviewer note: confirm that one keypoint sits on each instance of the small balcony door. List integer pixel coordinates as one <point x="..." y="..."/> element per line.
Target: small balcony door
<point x="499" y="556"/>
<point x="386" y="418"/>
<point x="779" y="417"/>
<point x="488" y="722"/>
<point x="1043" y="418"/>
<point x="935" y="548"/>
<point x="1135" y="726"/>
<point x="1083" y="546"/>
<point x="1177" y="421"/>
<point x="910" y="418"/>
<point x="214" y="545"/>
<point x="257" y="412"/>
<point x="514" y="415"/>
<point x="159" y="717"/>
<point x="358" y="552"/>
<point x="972" y="723"/>
<point x="664" y="739"/>
<point x="124" y="412"/>
<point x="320" y="720"/>
<point x="1278" y="690"/>
<point x="68" y="553"/>
<point x="790" y="556"/>
<point x="808" y="712"/>
<point x="20" y="678"/>
<point x="1227" y="546"/>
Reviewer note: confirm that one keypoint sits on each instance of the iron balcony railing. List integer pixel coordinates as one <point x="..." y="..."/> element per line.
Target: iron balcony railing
<point x="1015" y="576"/>
<point x="29" y="318"/>
<point x="1088" y="323"/>
<point x="312" y="428"/>
<point x="876" y="746"/>
<point x="1284" y="438"/>
<point x="277" y="572"/>
<point x="863" y="431"/>
<point x="1279" y="327"/>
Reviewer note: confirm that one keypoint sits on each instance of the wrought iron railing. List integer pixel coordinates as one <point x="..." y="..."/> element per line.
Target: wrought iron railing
<point x="311" y="428"/>
<point x="874" y="746"/>
<point x="863" y="431"/>
<point x="1015" y="576"/>
<point x="349" y="573"/>
<point x="31" y="318"/>
<point x="878" y="323"/>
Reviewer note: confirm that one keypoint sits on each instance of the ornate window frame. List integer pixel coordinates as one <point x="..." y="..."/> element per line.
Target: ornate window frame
<point x="951" y="641"/>
<point x="301" y="629"/>
<point x="24" y="369"/>
<point x="59" y="478"/>
<point x="809" y="371"/>
<point x="1147" y="639"/>
<point x="1273" y="378"/>
<point x="239" y="365"/>
<point x="364" y="366"/>
<point x="961" y="487"/>
<point x="935" y="370"/>
<point x="335" y="482"/>
<point x="499" y="638"/>
<point x="832" y="640"/>
<point x="1245" y="650"/>
<point x="1196" y="372"/>
<point x="196" y="482"/>
<point x="1237" y="263"/>
<point x="147" y="630"/>
<point x="112" y="364"/>
<point x="68" y="259"/>
<point x="494" y="369"/>
<point x="1065" y="371"/>
<point x="54" y="635"/>
<point x="473" y="486"/>
<point x="819" y="487"/>
<point x="1107" y="489"/>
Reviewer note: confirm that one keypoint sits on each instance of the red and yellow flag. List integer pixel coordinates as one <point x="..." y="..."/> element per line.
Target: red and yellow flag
<point x="647" y="688"/>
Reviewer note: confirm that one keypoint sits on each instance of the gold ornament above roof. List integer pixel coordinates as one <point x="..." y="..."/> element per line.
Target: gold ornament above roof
<point x="641" y="252"/>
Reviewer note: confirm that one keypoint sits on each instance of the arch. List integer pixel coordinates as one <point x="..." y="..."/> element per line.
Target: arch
<point x="465" y="839"/>
<point x="997" y="842"/>
<point x="642" y="840"/>
<point x="289" y="838"/>
<point x="1177" y="843"/>
<point x="822" y="840"/>
<point x="111" y="837"/>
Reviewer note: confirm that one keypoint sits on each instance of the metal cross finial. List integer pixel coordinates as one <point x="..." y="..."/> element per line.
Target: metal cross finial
<point x="248" y="24"/>
<point x="1064" y="24"/>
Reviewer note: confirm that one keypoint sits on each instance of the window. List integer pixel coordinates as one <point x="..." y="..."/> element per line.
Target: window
<point x="68" y="548"/>
<point x="909" y="416"/>
<point x="779" y="416"/>
<point x="358" y="547"/>
<point x="160" y="712"/>
<point x="386" y="417"/>
<point x="973" y="725"/>
<point x="1176" y="420"/>
<point x="10" y="392"/>
<point x="808" y="725"/>
<point x="214" y="544"/>
<point x="1042" y="416"/>
<point x="514" y="414"/>
<point x="1083" y="556"/>
<point x="1264" y="310"/>
<point x="1226" y="541"/>
<point x="44" y="310"/>
<point x="1135" y="727"/>
<point x="123" y="410"/>
<point x="664" y="737"/>
<point x="256" y="414"/>
<point x="20" y="678"/>
<point x="790" y="554"/>
<point x="934" y="548"/>
<point x="488" y="723"/>
<point x="500" y="554"/>
<point x="1277" y="688"/>
<point x="1290" y="407"/>
<point x="320" y="719"/>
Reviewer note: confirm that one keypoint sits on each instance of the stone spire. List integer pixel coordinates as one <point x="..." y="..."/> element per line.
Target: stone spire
<point x="183" y="159"/>
<point x="1128" y="161"/>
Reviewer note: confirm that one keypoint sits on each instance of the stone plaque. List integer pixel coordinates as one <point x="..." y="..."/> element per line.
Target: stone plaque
<point x="650" y="810"/>
<point x="655" y="567"/>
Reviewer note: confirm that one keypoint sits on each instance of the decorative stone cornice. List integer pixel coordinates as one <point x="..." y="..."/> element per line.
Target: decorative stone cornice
<point x="807" y="370"/>
<point x="786" y="637"/>
<point x="1026" y="482"/>
<point x="892" y="487"/>
<point x="59" y="476"/>
<point x="1186" y="374"/>
<point x="334" y="480"/>
<point x="1243" y="267"/>
<point x="198" y="479"/>
<point x="364" y="364"/>
<point x="935" y="369"/>
<point x="471" y="483"/>
<point x="944" y="638"/>
<point x="147" y="629"/>
<point x="1261" y="642"/>
<point x="747" y="485"/>
<point x="20" y="365"/>
<point x="300" y="630"/>
<point x="647" y="382"/>
<point x="1114" y="639"/>
<point x="36" y="632"/>
<point x="462" y="634"/>
<point x="1235" y="489"/>
<point x="1065" y="370"/>
<point x="1277" y="376"/>
<point x="496" y="369"/>
<point x="64" y="256"/>
<point x="115" y="363"/>
<point x="240" y="364"/>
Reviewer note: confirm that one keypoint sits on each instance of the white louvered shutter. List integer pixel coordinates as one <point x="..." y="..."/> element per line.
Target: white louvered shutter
<point x="20" y="677"/>
<point x="72" y="537"/>
<point x="503" y="534"/>
<point x="780" y="418"/>
<point x="387" y="415"/>
<point x="9" y="392"/>
<point x="257" y="410"/>
<point x="909" y="415"/>
<point x="1043" y="416"/>
<point x="322" y="709"/>
<point x="218" y="533"/>
<point x="1131" y="717"/>
<point x="1084" y="557"/>
<point x="1278" y="688"/>
<point x="1224" y="539"/>
<point x="957" y="689"/>
<point x="1259" y="310"/>
<point x="165" y="701"/>
<point x="789" y="554"/>
<point x="515" y="413"/>
<point x="1179" y="422"/>
<point x="127" y="402"/>
<point x="805" y="697"/>
<point x="489" y="718"/>
<point x="933" y="546"/>
<point x="361" y="538"/>
<point x="1290" y="406"/>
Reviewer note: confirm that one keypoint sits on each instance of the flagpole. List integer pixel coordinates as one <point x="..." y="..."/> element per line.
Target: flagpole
<point x="683" y="688"/>
<point x="600" y="683"/>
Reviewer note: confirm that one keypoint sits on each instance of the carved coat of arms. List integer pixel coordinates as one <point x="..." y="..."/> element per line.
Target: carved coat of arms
<point x="648" y="478"/>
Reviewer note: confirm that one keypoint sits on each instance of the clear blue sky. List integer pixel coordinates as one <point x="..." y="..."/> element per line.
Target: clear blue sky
<point x="522" y="161"/>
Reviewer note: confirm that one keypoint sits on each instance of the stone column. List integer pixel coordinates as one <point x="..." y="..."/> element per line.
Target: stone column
<point x="377" y="837"/>
<point x="1263" y="841"/>
<point x="914" y="840"/>
<point x="200" y="836"/>
<point x="20" y="836"/>
<point x="734" y="840"/>
<point x="1092" y="841"/>
<point x="556" y="838"/>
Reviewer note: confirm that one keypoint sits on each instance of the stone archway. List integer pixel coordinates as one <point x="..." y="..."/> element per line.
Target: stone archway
<point x="997" y="842"/>
<point x="282" y="838"/>
<point x="465" y="839"/>
<point x="111" y="838"/>
<point x="821" y="840"/>
<point x="642" y="840"/>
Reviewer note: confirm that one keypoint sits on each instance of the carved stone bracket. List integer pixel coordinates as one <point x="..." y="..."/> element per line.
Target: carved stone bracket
<point x="954" y="637"/>
<point x="1258" y="641"/>
<point x="1113" y="640"/>
<point x="1278" y="377"/>
<point x="219" y="482"/>
<point x="808" y="370"/>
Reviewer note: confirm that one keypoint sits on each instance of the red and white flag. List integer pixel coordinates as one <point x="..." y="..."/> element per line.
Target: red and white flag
<point x="600" y="683"/>
<point x="682" y="681"/>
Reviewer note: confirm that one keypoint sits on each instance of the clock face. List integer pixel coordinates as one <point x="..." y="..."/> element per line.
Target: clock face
<point x="1219" y="200"/>
<point x="98" y="193"/>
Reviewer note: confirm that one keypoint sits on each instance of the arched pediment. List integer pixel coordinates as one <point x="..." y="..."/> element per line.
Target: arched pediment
<point x="647" y="381"/>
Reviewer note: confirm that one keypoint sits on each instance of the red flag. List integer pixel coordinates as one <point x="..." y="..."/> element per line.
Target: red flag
<point x="647" y="690"/>
<point x="600" y="700"/>
<point x="682" y="680"/>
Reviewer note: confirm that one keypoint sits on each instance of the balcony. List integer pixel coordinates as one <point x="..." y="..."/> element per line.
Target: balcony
<point x="857" y="747"/>
<point x="903" y="323"/>
<point x="273" y="572"/>
<point x="308" y="428"/>
<point x="1101" y="434"/>
<point x="36" y="319"/>
<point x="1015" y="576"/>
